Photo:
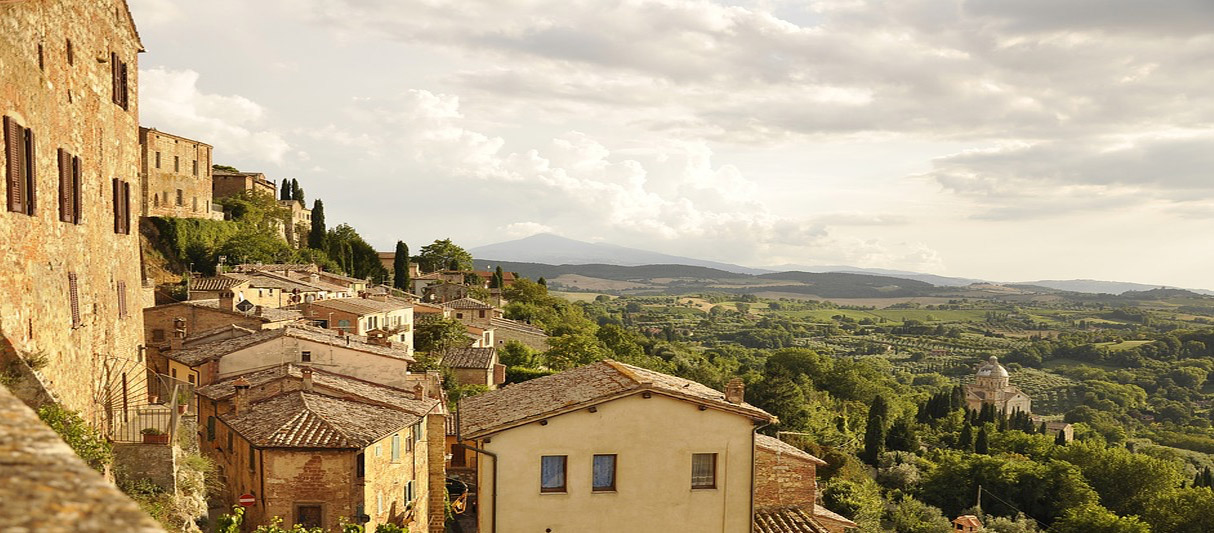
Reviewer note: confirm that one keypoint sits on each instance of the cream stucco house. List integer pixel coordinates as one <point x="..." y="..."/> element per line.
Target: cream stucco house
<point x="612" y="447"/>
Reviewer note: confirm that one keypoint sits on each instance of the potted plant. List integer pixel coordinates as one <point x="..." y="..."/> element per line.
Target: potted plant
<point x="154" y="436"/>
<point x="183" y="401"/>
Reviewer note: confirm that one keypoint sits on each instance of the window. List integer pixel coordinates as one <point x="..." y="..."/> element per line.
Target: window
<point x="22" y="166"/>
<point x="176" y="163"/>
<point x="69" y="187"/>
<point x="409" y="495"/>
<point x="71" y="53"/>
<point x="604" y="473"/>
<point x="190" y="378"/>
<point x="417" y="432"/>
<point x="122" y="207"/>
<point x="482" y="314"/>
<point x="395" y="447"/>
<point x="552" y="473"/>
<point x="157" y="159"/>
<point x="379" y="450"/>
<point x="122" y="299"/>
<point x="252" y="458"/>
<point x="180" y="197"/>
<point x="195" y="198"/>
<point x="195" y="168"/>
<point x="308" y="515"/>
<point x="118" y="73"/>
<point x="210" y="428"/>
<point x="704" y="471"/>
<point x="230" y="439"/>
<point x="457" y="455"/>
<point x="41" y="58"/>
<point x="360" y="466"/>
<point x="459" y="315"/>
<point x="305" y="356"/>
<point x="379" y="503"/>
<point x="73" y="288"/>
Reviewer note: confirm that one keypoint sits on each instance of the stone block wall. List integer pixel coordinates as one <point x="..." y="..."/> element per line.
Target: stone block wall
<point x="783" y="479"/>
<point x="175" y="176"/>
<point x="57" y="79"/>
<point x="155" y="463"/>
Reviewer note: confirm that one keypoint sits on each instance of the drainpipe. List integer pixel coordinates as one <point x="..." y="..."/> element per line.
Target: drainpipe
<point x="493" y="505"/>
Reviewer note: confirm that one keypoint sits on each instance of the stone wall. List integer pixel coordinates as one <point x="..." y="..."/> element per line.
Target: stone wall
<point x="386" y="479"/>
<point x="534" y="341"/>
<point x="783" y="479"/>
<point x="175" y="176"/>
<point x="436" y="486"/>
<point x="316" y="477"/>
<point x="197" y="319"/>
<point x="152" y="462"/>
<point x="65" y="96"/>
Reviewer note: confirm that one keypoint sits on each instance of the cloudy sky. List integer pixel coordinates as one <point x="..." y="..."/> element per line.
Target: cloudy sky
<point x="982" y="138"/>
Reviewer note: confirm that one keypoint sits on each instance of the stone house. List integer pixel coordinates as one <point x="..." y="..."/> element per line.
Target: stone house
<point x="570" y="451"/>
<point x="175" y="177"/>
<point x="992" y="386"/>
<point x="225" y="183"/>
<point x="505" y="330"/>
<point x="346" y="354"/>
<point x="162" y="322"/>
<point x="475" y="366"/>
<point x="314" y="447"/>
<point x="967" y="524"/>
<point x="259" y="290"/>
<point x="70" y="282"/>
<point x="444" y="292"/>
<point x="301" y="222"/>
<point x="474" y="312"/>
<point x="360" y="315"/>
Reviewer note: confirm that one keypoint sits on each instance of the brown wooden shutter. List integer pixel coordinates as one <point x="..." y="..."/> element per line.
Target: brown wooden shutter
<point x="117" y="206"/>
<point x="115" y="72"/>
<point x="126" y="207"/>
<point x="74" y="297"/>
<point x="14" y="143"/>
<point x="65" y="186"/>
<point x="31" y="172"/>
<point x="76" y="206"/>
<point x="126" y="90"/>
<point x="121" y="299"/>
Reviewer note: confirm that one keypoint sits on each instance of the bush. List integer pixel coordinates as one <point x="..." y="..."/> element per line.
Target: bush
<point x="87" y="442"/>
<point x="518" y="374"/>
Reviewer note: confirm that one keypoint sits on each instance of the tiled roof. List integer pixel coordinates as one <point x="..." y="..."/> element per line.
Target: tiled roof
<point x="213" y="284"/>
<point x="423" y="307"/>
<point x="300" y="419"/>
<point x="504" y="323"/>
<point x="781" y="447"/>
<point x="339" y="277"/>
<point x="268" y="314"/>
<point x="468" y="303"/>
<point x="371" y="392"/>
<point x="480" y="358"/>
<point x="826" y="514"/>
<point x="583" y="386"/>
<point x="361" y="306"/>
<point x="278" y="267"/>
<point x="429" y="276"/>
<point x="968" y="520"/>
<point x="786" y="519"/>
<point x="46" y="487"/>
<point x="265" y="280"/>
<point x="196" y="355"/>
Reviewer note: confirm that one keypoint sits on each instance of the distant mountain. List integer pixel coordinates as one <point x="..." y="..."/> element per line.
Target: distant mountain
<point x="943" y="281"/>
<point x="552" y="249"/>
<point x="1103" y="287"/>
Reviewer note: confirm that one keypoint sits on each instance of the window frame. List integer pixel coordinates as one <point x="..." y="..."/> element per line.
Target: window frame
<point x="615" y="462"/>
<point x="702" y="485"/>
<point x="564" y="486"/>
<point x="320" y="506"/>
<point x="395" y="456"/>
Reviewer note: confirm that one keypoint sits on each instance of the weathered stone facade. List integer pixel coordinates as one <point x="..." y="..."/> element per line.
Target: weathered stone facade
<point x="784" y="475"/>
<point x="175" y="176"/>
<point x="301" y="222"/>
<point x="225" y="184"/>
<point x="70" y="280"/>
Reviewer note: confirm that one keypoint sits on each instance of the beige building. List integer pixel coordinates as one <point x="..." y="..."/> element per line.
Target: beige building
<point x="301" y="222"/>
<point x="70" y="280"/>
<point x="175" y="177"/>
<point x="612" y="447"/>
<point x="357" y="316"/>
<point x="474" y="312"/>
<point x="225" y="183"/>
<point x="475" y="366"/>
<point x="992" y="386"/>
<point x="314" y="447"/>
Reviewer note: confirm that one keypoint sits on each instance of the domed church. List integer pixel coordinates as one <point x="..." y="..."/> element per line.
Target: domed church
<point x="992" y="386"/>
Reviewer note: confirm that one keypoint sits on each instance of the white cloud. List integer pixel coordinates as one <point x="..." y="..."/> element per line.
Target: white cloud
<point x="519" y="230"/>
<point x="171" y="100"/>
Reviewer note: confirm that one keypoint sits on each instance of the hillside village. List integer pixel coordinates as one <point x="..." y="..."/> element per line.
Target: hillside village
<point x="186" y="346"/>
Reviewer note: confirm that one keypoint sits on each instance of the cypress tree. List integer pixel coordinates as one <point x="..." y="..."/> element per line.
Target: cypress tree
<point x="966" y="441"/>
<point x="902" y="437"/>
<point x="316" y="237"/>
<point x="874" y="431"/>
<point x="1042" y="429"/>
<point x="297" y="192"/>
<point x="1061" y="438"/>
<point x="982" y="444"/>
<point x="285" y="193"/>
<point x="400" y="267"/>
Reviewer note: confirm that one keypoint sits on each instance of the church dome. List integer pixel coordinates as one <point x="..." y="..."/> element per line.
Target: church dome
<point x="992" y="368"/>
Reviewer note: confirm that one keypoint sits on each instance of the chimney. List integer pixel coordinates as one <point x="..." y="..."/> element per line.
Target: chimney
<point x="240" y="402"/>
<point x="314" y="277"/>
<point x="178" y="338"/>
<point x="735" y="391"/>
<point x="307" y="378"/>
<point x="419" y="391"/>
<point x="227" y="300"/>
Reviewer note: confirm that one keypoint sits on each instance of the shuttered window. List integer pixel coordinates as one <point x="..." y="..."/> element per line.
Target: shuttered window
<point x="118" y="71"/>
<point x="122" y="207"/>
<point x="21" y="167"/>
<point x="69" y="187"/>
<point x="74" y="297"/>
<point x="122" y="299"/>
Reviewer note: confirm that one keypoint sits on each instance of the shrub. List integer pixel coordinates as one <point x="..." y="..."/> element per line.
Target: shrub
<point x="86" y="441"/>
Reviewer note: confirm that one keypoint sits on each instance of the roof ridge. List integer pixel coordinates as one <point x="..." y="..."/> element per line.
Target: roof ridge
<point x="304" y="397"/>
<point x="627" y="372"/>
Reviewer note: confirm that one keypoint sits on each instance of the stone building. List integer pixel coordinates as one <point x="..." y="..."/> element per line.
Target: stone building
<point x="358" y="316"/>
<point x="505" y="330"/>
<point x="314" y="447"/>
<point x="70" y="280"/>
<point x="175" y="177"/>
<point x="475" y="366"/>
<point x="473" y="312"/>
<point x="786" y="490"/>
<point x="301" y="222"/>
<point x="225" y="183"/>
<point x="992" y="386"/>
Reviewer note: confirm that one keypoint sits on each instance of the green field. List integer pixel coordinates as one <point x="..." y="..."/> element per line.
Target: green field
<point x="1120" y="346"/>
<point x="895" y="316"/>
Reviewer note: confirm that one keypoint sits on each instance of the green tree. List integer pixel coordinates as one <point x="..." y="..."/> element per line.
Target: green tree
<point x="913" y="516"/>
<point x="297" y="192"/>
<point x="1060" y="439"/>
<point x="316" y="237"/>
<point x="498" y="278"/>
<point x="982" y="444"/>
<point x="542" y="281"/>
<point x="1096" y="519"/>
<point x="435" y="333"/>
<point x="874" y="431"/>
<point x="256" y="247"/>
<point x="778" y="394"/>
<point x="574" y="350"/>
<point x="88" y="443"/>
<point x="285" y="192"/>
<point x="902" y="436"/>
<point x="442" y="254"/>
<point x="356" y="257"/>
<point x="965" y="442"/>
<point x="1125" y="481"/>
<point x="517" y="354"/>
<point x="400" y="267"/>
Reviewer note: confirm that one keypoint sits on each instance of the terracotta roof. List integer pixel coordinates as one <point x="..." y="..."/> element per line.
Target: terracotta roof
<point x="370" y="392"/>
<point x="46" y="487"/>
<point x="268" y="314"/>
<point x="823" y="513"/>
<point x="300" y="419"/>
<point x="504" y="323"/>
<point x="339" y="277"/>
<point x="361" y="306"/>
<point x="196" y="355"/>
<point x="424" y="307"/>
<point x="214" y="284"/>
<point x="479" y="358"/>
<point x="468" y="303"/>
<point x="786" y="519"/>
<point x="266" y="280"/>
<point x="276" y="267"/>
<point x="583" y="386"/>
<point x="780" y="447"/>
<point x="968" y="520"/>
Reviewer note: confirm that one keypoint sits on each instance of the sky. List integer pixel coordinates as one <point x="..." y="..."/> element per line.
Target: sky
<point x="989" y="139"/>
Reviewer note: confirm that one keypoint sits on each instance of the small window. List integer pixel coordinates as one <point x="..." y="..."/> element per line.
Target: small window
<point x="122" y="299"/>
<point x="308" y="515"/>
<point x="176" y="164"/>
<point x="195" y="168"/>
<point x="195" y="198"/>
<point x="457" y="455"/>
<point x="360" y="466"/>
<point x="305" y="356"/>
<point x="379" y="450"/>
<point x="71" y="53"/>
<point x="396" y="447"/>
<point x="552" y="473"/>
<point x="459" y="315"/>
<point x="379" y="503"/>
<point x="73" y="288"/>
<point x="157" y="159"/>
<point x="190" y="378"/>
<point x="604" y="472"/>
<point x="704" y="471"/>
<point x="409" y="494"/>
<point x="21" y="172"/>
<point x="210" y="428"/>
<point x="417" y="432"/>
<point x="252" y="458"/>
<point x="173" y="373"/>
<point x="482" y="314"/>
<point x="180" y="197"/>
